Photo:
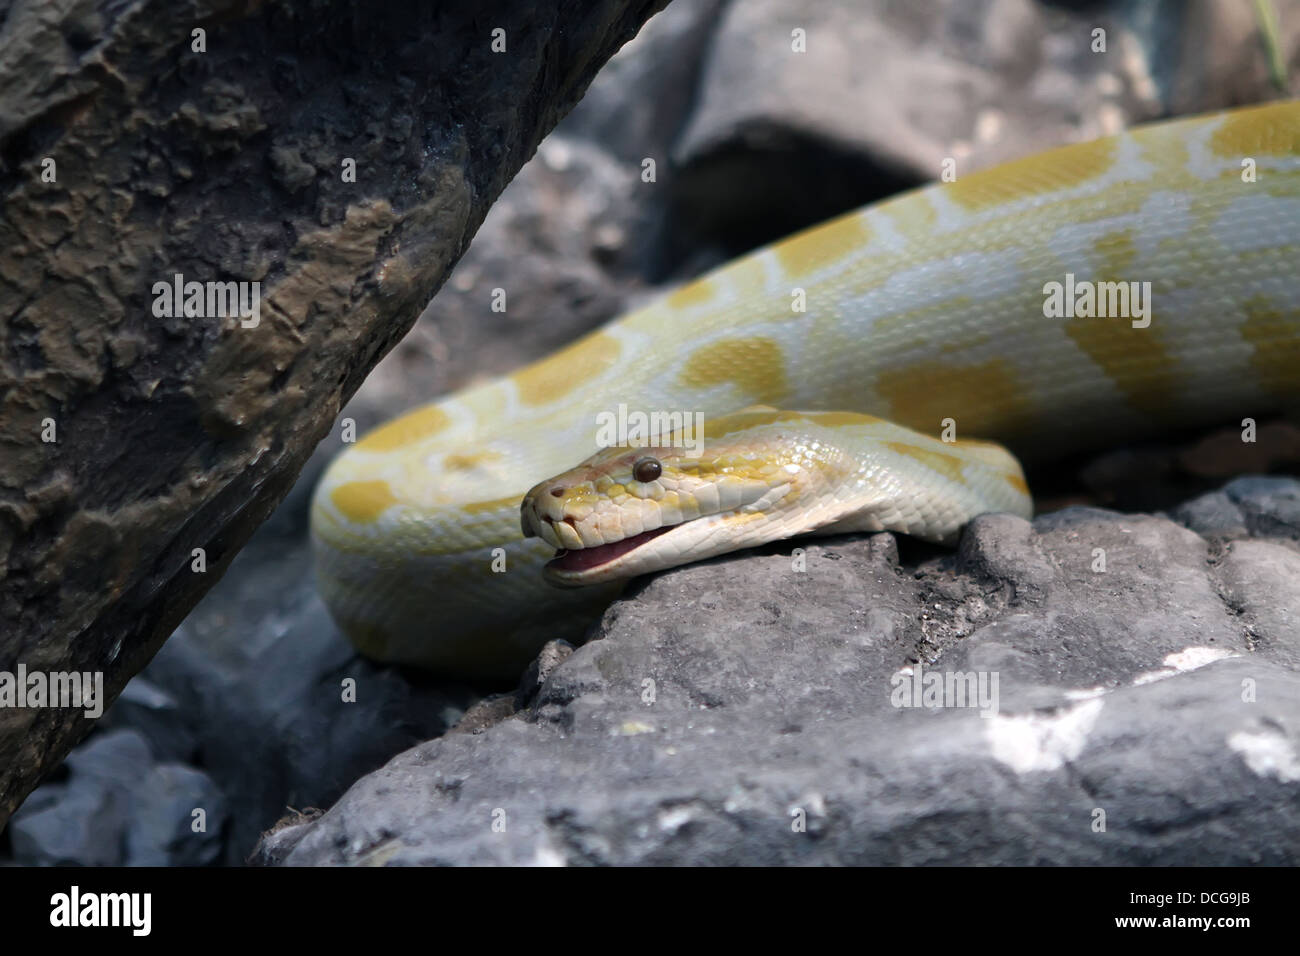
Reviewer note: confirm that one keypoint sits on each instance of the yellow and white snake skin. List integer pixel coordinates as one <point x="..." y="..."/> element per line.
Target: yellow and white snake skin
<point x="927" y="310"/>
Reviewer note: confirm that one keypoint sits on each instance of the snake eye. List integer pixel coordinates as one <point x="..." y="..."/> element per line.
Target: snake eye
<point x="647" y="469"/>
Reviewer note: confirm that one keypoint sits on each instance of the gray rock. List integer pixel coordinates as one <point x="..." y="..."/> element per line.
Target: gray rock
<point x="1270" y="506"/>
<point x="158" y="716"/>
<point x="85" y="820"/>
<point x="1214" y="515"/>
<point x="551" y="656"/>
<point x="278" y="842"/>
<point x="1261" y="580"/>
<point x="641" y="98"/>
<point x="118" y="758"/>
<point x="1139" y="704"/>
<point x="70" y="826"/>
<point x="1254" y="504"/>
<point x="164" y="828"/>
<point x="117" y="808"/>
<point x="58" y="826"/>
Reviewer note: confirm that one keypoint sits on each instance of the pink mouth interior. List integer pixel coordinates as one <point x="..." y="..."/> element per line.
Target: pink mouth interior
<point x="587" y="558"/>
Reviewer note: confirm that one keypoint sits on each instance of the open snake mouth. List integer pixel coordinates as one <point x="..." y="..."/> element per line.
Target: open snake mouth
<point x="586" y="559"/>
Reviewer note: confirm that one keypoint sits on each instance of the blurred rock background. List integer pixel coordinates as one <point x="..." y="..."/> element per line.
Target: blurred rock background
<point x="241" y="712"/>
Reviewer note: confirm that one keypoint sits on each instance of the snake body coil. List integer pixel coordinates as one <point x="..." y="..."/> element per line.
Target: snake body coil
<point x="985" y="307"/>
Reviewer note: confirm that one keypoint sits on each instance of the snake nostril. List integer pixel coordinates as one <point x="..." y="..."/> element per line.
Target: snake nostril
<point x="557" y="492"/>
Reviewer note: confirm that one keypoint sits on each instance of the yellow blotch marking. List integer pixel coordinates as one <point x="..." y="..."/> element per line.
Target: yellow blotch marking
<point x="739" y="468"/>
<point x="557" y="375"/>
<point x="1047" y="172"/>
<point x="411" y="427"/>
<point x="1272" y="130"/>
<point x="715" y="428"/>
<point x="1018" y="482"/>
<point x="913" y="215"/>
<point x="1116" y="252"/>
<point x="1275" y="334"/>
<point x="363" y="501"/>
<point x="949" y="466"/>
<point x="822" y="245"/>
<point x="987" y="453"/>
<point x="982" y="399"/>
<point x="693" y="293"/>
<point x="760" y="415"/>
<point x="509" y="503"/>
<point x="457" y="462"/>
<point x="1134" y="359"/>
<point x="630" y="728"/>
<point x="755" y="365"/>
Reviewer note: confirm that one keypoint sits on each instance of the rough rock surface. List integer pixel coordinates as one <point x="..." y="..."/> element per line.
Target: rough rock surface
<point x="748" y="710"/>
<point x="212" y="139"/>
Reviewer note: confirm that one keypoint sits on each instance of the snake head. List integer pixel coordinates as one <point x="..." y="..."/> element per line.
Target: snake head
<point x="632" y="510"/>
<point x="761" y="475"/>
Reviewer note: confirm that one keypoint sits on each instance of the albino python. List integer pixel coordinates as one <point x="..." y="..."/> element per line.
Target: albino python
<point x="929" y="310"/>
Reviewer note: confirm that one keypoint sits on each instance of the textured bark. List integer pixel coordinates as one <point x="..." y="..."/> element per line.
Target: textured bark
<point x="183" y="433"/>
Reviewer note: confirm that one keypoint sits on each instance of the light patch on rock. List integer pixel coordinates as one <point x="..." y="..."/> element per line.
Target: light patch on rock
<point x="811" y="802"/>
<point x="1037" y="742"/>
<point x="1085" y="693"/>
<point x="1188" y="659"/>
<point x="544" y="854"/>
<point x="670" y="821"/>
<point x="631" y="728"/>
<point x="1267" y="752"/>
